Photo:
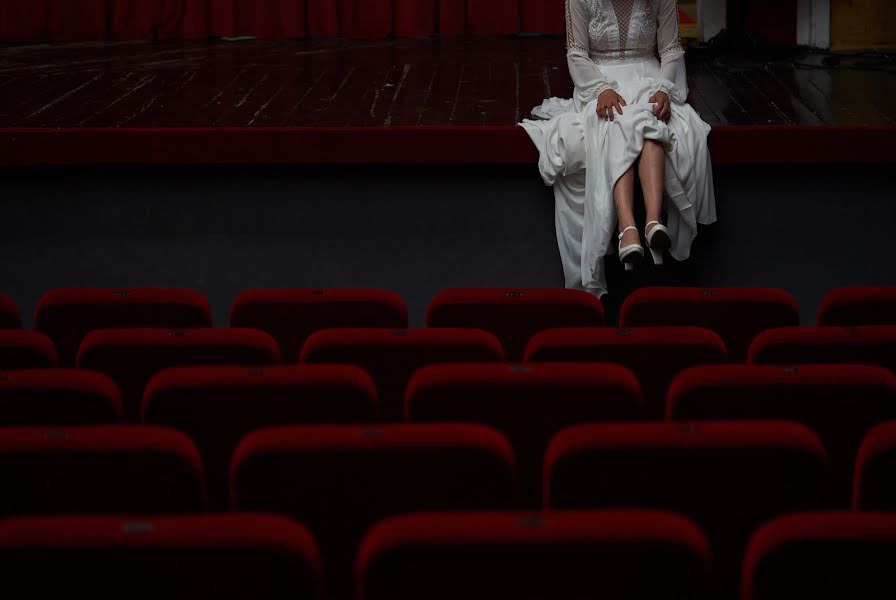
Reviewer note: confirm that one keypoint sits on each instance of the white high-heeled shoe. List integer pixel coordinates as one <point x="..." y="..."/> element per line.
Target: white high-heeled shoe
<point x="658" y="241"/>
<point x="632" y="254"/>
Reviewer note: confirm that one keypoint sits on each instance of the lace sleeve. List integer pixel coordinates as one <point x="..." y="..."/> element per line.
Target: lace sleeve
<point x="673" y="72"/>
<point x="586" y="75"/>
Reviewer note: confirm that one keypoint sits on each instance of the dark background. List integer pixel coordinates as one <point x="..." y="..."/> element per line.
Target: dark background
<point x="416" y="230"/>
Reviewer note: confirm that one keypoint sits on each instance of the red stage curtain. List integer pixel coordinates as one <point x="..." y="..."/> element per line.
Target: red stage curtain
<point x="65" y="20"/>
<point x="374" y="18"/>
<point x="453" y="17"/>
<point x="414" y="17"/>
<point x="544" y="16"/>
<point x="493" y="17"/>
<point x="281" y="18"/>
<point x="52" y="20"/>
<point x="159" y="19"/>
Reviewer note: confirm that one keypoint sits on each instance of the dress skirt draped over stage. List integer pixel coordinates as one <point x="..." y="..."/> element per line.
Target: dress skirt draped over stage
<point x="583" y="156"/>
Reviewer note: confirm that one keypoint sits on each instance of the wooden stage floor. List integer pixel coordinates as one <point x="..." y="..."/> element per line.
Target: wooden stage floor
<point x="417" y="100"/>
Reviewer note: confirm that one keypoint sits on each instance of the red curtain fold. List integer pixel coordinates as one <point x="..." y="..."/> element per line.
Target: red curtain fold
<point x="24" y="20"/>
<point x="70" y="20"/>
<point x="415" y="17"/>
<point x="493" y="17"/>
<point x="452" y="17"/>
<point x="375" y="18"/>
<point x="84" y="20"/>
<point x="158" y="19"/>
<point x="543" y="16"/>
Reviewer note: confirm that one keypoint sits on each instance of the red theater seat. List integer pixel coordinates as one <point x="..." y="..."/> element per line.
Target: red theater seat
<point x="528" y="403"/>
<point x="736" y="314"/>
<point x="875" y="480"/>
<point x="514" y="315"/>
<point x="67" y="315"/>
<point x="624" y="555"/>
<point x="116" y="469"/>
<point x="341" y="479"/>
<point x="132" y="356"/>
<point x="9" y="313"/>
<point x="218" y="406"/>
<point x="58" y="397"/>
<point x="148" y="558"/>
<point x="728" y="476"/>
<point x="822" y="555"/>
<point x="839" y="402"/>
<point x="655" y="354"/>
<point x="21" y="349"/>
<point x="858" y="306"/>
<point x="392" y="356"/>
<point x="875" y="345"/>
<point x="291" y="315"/>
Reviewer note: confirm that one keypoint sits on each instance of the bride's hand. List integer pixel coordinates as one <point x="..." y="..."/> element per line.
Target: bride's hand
<point x="663" y="109"/>
<point x="607" y="101"/>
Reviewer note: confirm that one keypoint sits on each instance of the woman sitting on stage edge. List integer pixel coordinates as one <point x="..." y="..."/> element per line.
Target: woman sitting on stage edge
<point x="630" y="106"/>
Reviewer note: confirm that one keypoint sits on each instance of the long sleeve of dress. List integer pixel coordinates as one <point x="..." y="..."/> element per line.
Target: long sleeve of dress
<point x="668" y="38"/>
<point x="585" y="73"/>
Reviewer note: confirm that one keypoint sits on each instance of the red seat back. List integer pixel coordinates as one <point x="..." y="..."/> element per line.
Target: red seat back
<point x="514" y="315"/>
<point x="58" y="397"/>
<point x="115" y="470"/>
<point x="68" y="315"/>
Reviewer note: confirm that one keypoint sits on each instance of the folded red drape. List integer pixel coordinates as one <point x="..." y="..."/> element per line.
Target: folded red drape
<point x="69" y="20"/>
<point x="543" y="16"/>
<point x="52" y="20"/>
<point x="158" y="19"/>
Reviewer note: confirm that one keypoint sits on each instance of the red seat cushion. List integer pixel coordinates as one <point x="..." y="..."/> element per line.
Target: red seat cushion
<point x="736" y="314"/>
<point x="527" y="403"/>
<point x="822" y="555"/>
<point x="391" y="356"/>
<point x="68" y="315"/>
<point x="514" y="315"/>
<point x="218" y="406"/>
<point x="874" y="344"/>
<point x="730" y="477"/>
<point x="839" y="402"/>
<point x="58" y="397"/>
<point x="523" y="556"/>
<point x="655" y="354"/>
<point x="291" y="315"/>
<point x="339" y="480"/>
<point x="114" y="469"/>
<point x="132" y="356"/>
<point x="859" y="305"/>
<point x="21" y="349"/>
<point x="181" y="557"/>
<point x="875" y="486"/>
<point x="9" y="313"/>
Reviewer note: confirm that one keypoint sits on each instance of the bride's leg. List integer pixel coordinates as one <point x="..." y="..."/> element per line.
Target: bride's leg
<point x="624" y="198"/>
<point x="652" y="172"/>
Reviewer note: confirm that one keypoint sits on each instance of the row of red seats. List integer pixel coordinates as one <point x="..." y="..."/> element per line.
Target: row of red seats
<point x="730" y="478"/>
<point x="625" y="555"/>
<point x="217" y="406"/>
<point x="514" y="316"/>
<point x="391" y="356"/>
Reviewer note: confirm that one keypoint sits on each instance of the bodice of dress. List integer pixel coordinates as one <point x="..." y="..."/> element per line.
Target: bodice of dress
<point x="612" y="32"/>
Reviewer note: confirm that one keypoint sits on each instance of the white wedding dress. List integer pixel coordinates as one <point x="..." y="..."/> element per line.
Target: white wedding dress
<point x="632" y="47"/>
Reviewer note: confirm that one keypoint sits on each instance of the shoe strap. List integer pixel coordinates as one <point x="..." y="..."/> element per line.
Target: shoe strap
<point x="622" y="233"/>
<point x="649" y="223"/>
